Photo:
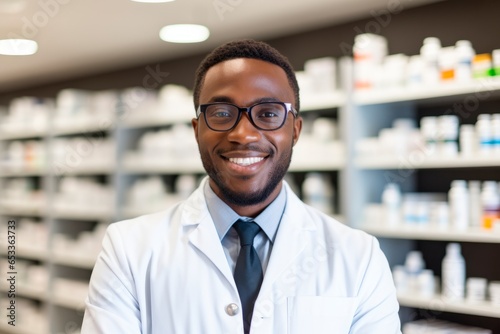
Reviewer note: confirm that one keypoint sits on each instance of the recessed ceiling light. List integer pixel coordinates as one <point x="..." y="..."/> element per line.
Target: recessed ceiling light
<point x="153" y="1"/>
<point x="12" y="6"/>
<point x="18" y="47"/>
<point x="184" y="33"/>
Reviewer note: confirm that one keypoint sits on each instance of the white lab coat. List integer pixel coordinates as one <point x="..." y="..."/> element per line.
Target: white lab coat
<point x="167" y="273"/>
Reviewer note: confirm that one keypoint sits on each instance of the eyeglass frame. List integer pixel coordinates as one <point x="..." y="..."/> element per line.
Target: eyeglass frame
<point x="288" y="108"/>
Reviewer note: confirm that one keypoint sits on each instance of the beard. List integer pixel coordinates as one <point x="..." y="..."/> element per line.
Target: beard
<point x="249" y="198"/>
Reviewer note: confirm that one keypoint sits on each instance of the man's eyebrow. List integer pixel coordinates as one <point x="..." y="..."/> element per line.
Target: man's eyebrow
<point x="221" y="99"/>
<point x="227" y="99"/>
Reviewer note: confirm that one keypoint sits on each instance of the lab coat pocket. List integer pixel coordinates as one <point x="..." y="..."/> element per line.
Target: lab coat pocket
<point x="320" y="315"/>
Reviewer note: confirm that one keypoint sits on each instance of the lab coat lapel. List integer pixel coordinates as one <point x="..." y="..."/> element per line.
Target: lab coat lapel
<point x="291" y="240"/>
<point x="204" y="236"/>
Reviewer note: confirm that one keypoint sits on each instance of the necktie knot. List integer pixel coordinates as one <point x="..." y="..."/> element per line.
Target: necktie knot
<point x="247" y="230"/>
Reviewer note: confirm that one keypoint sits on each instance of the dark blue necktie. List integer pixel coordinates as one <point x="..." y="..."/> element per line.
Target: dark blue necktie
<point x="248" y="272"/>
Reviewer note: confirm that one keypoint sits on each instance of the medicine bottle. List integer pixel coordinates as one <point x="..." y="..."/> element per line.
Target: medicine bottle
<point x="482" y="66"/>
<point x="447" y="63"/>
<point x="458" y="198"/>
<point x="495" y="133"/>
<point x="468" y="140"/>
<point x="414" y="265"/>
<point x="490" y="200"/>
<point x="369" y="51"/>
<point x="429" y="130"/>
<point x="496" y="61"/>
<point x="448" y="134"/>
<point x="484" y="133"/>
<point x="475" y="205"/>
<point x="318" y="192"/>
<point x="453" y="273"/>
<point x="464" y="54"/>
<point x="391" y="200"/>
<point x="430" y="51"/>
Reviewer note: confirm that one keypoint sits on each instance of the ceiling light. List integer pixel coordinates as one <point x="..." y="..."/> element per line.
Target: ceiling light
<point x="12" y="6"/>
<point x="153" y="1"/>
<point x="184" y="33"/>
<point x="17" y="47"/>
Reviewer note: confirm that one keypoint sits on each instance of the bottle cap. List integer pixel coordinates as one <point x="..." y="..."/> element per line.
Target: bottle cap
<point x="458" y="183"/>
<point x="463" y="43"/>
<point x="453" y="248"/>
<point x="432" y="40"/>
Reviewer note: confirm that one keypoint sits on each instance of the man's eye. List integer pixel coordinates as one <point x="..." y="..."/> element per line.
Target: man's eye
<point x="221" y="114"/>
<point x="268" y="114"/>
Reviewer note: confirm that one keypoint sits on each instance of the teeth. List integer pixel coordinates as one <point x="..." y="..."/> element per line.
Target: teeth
<point x="245" y="161"/>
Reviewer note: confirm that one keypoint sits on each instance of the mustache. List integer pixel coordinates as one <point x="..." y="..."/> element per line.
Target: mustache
<point x="250" y="147"/>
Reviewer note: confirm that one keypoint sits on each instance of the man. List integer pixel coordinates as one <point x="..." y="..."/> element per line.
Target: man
<point x="243" y="253"/>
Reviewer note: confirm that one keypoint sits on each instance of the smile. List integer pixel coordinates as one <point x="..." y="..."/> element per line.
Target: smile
<point x="246" y="161"/>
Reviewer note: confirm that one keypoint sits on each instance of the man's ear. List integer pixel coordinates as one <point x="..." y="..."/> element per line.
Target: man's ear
<point x="297" y="128"/>
<point x="194" y="123"/>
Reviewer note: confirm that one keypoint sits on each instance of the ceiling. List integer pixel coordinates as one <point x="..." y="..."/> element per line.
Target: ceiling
<point x="84" y="37"/>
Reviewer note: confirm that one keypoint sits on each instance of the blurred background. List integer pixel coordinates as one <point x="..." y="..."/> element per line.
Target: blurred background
<point x="401" y="138"/>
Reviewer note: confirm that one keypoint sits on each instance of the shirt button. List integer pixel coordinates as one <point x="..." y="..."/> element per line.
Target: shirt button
<point x="232" y="309"/>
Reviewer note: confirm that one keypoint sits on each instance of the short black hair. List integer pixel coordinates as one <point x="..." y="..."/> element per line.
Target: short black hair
<point x="246" y="48"/>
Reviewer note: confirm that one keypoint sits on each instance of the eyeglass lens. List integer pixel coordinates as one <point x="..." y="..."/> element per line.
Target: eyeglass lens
<point x="267" y="116"/>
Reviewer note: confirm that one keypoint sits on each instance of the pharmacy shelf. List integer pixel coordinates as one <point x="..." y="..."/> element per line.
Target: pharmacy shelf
<point x="88" y="169"/>
<point x="73" y="261"/>
<point x="135" y="212"/>
<point x="28" y="291"/>
<point x="13" y="133"/>
<point x="25" y="209"/>
<point x="309" y="155"/>
<point x="5" y="328"/>
<point x="69" y="301"/>
<point x="31" y="253"/>
<point x="163" y="167"/>
<point x="25" y="252"/>
<point x="23" y="173"/>
<point x="327" y="164"/>
<point x="323" y="101"/>
<point x="156" y="119"/>
<point x="81" y="127"/>
<point x="421" y="161"/>
<point x="438" y="303"/>
<point x="477" y="89"/>
<point x="406" y="231"/>
<point x="83" y="214"/>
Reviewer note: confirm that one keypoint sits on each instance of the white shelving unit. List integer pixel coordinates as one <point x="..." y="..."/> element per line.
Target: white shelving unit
<point x="70" y="302"/>
<point x="405" y="231"/>
<point x="15" y="133"/>
<point x="393" y="162"/>
<point x="23" y="173"/>
<point x="4" y="328"/>
<point x="323" y="101"/>
<point x="84" y="261"/>
<point x="480" y="88"/>
<point x="438" y="303"/>
<point x="28" y="291"/>
<point x="377" y="109"/>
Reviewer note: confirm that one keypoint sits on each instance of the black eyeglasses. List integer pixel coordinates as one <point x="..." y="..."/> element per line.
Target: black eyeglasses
<point x="267" y="116"/>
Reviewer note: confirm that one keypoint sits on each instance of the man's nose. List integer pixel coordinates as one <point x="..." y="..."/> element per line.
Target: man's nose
<point x="244" y="132"/>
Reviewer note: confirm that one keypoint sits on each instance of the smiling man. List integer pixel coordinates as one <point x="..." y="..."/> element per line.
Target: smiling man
<point x="242" y="254"/>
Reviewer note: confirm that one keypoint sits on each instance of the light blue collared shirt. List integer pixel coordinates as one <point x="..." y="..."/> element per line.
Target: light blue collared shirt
<point x="224" y="217"/>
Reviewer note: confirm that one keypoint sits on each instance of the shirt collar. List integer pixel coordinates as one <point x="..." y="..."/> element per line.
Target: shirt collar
<point x="224" y="217"/>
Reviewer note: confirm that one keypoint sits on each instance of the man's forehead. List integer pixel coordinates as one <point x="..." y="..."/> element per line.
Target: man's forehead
<point x="238" y="65"/>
